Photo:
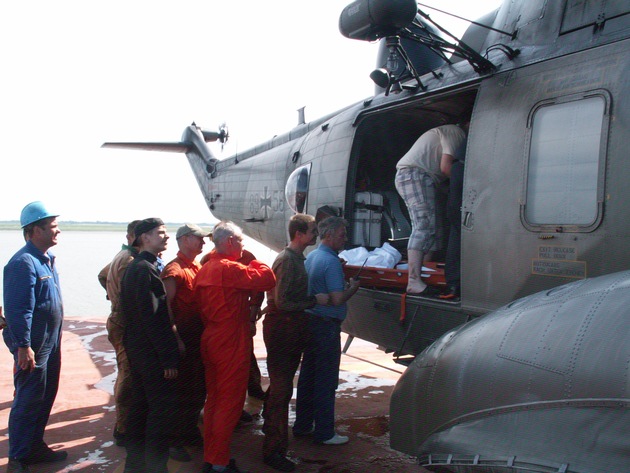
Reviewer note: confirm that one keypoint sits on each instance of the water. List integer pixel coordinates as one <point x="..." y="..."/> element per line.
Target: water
<point x="80" y="257"/>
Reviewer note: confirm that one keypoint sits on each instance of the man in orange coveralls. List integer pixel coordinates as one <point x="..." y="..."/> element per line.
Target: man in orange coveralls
<point x="256" y="299"/>
<point x="178" y="276"/>
<point x="222" y="288"/>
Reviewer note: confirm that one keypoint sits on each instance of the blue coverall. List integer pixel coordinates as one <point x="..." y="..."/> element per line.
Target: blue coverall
<point x="34" y="312"/>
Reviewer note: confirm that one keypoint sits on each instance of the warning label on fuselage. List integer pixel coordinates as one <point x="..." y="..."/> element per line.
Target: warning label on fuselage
<point x="559" y="261"/>
<point x="558" y="252"/>
<point x="563" y="269"/>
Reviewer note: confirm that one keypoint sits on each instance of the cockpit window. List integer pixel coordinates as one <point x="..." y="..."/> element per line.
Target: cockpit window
<point x="567" y="149"/>
<point x="296" y="189"/>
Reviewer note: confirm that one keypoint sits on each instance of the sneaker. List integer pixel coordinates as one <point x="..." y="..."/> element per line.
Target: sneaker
<point x="179" y="454"/>
<point x="17" y="466"/>
<point x="336" y="440"/>
<point x="279" y="462"/>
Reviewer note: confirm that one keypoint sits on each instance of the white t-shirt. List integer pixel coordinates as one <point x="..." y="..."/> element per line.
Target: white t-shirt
<point x="426" y="153"/>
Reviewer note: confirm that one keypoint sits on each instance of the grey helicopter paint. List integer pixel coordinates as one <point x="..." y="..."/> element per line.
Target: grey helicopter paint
<point x="545" y="204"/>
<point x="540" y="384"/>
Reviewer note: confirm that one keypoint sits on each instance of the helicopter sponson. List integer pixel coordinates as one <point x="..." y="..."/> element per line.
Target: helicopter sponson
<point x="541" y="384"/>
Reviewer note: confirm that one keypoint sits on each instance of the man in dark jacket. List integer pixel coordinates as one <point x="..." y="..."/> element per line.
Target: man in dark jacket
<point x="152" y="349"/>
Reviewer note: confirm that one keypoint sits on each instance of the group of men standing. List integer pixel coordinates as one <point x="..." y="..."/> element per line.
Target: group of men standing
<point x="193" y="323"/>
<point x="303" y="323"/>
<point x="180" y="324"/>
<point x="183" y="339"/>
<point x="183" y="334"/>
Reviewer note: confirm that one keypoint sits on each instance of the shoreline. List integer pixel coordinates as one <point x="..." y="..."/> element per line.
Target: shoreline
<point x="93" y="226"/>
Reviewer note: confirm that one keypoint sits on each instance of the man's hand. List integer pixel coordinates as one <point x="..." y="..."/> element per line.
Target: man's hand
<point x="322" y="299"/>
<point x="354" y="283"/>
<point x="26" y="359"/>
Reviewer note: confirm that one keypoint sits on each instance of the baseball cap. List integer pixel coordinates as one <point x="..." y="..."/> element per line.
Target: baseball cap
<point x="191" y="229"/>
<point x="145" y="226"/>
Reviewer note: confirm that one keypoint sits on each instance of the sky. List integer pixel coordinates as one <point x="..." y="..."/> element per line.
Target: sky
<point x="78" y="73"/>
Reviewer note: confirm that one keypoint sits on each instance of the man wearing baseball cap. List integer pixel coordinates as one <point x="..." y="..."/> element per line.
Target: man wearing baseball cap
<point x="153" y="352"/>
<point x="191" y="229"/>
<point x="34" y="315"/>
<point x="178" y="276"/>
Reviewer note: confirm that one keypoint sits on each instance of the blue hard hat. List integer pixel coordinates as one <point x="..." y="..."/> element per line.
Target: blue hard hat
<point x="33" y="212"/>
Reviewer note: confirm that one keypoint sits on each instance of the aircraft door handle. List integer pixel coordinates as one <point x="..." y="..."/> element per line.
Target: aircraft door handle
<point x="467" y="221"/>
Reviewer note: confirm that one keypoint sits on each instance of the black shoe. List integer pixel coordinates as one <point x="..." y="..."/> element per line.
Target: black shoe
<point x="17" y="466"/>
<point x="179" y="454"/>
<point x="206" y="467"/>
<point x="232" y="468"/>
<point x="246" y="417"/>
<point x="279" y="462"/>
<point x="44" y="454"/>
<point x="119" y="438"/>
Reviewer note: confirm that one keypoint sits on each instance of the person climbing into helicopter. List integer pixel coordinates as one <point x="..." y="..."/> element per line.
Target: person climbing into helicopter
<point x="427" y="164"/>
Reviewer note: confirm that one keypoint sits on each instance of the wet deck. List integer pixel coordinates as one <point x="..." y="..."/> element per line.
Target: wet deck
<point x="83" y="416"/>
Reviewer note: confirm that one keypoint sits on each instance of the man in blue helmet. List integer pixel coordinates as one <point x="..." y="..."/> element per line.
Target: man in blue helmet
<point x="34" y="314"/>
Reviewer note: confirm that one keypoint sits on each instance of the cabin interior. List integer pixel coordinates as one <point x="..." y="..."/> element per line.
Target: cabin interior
<point x="382" y="138"/>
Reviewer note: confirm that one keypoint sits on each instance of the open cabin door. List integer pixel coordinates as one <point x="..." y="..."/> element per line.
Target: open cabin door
<point x="375" y="211"/>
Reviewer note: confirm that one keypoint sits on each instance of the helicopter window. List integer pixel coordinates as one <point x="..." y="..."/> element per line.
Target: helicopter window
<point x="296" y="189"/>
<point x="565" y="163"/>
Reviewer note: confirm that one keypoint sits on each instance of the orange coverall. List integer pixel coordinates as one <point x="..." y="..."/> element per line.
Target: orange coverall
<point x="222" y="289"/>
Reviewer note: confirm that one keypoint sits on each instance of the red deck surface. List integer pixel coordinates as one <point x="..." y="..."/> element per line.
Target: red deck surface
<point x="83" y="416"/>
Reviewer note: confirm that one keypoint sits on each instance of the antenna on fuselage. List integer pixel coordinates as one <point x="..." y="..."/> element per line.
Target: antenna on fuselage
<point x="301" y="116"/>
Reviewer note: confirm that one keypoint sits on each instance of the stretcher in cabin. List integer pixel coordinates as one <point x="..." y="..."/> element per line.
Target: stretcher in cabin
<point x="433" y="275"/>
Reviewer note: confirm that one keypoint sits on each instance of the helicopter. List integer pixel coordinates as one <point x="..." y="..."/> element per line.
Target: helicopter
<point x="546" y="85"/>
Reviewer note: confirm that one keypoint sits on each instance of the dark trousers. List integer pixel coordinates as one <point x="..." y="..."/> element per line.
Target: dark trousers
<point x="319" y="378"/>
<point x="35" y="393"/>
<point x="150" y="425"/>
<point x="191" y="392"/>
<point x="286" y="337"/>
<point x="453" y="251"/>
<point x="254" y="386"/>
